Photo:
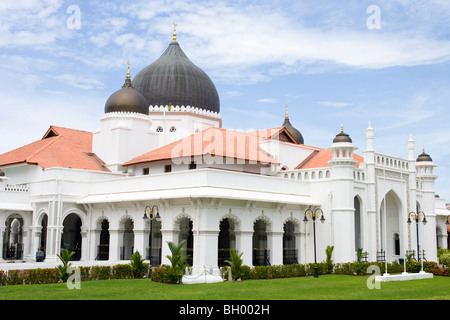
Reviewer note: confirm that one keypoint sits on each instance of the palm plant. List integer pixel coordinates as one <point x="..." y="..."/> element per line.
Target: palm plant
<point x="358" y="265"/>
<point x="329" y="262"/>
<point x="65" y="258"/>
<point x="137" y="265"/>
<point x="178" y="262"/>
<point x="235" y="264"/>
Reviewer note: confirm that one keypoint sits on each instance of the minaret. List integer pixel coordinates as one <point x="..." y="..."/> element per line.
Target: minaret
<point x="369" y="239"/>
<point x="342" y="208"/>
<point x="426" y="178"/>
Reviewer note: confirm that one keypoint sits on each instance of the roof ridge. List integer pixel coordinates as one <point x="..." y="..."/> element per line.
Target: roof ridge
<point x="308" y="158"/>
<point x="45" y="146"/>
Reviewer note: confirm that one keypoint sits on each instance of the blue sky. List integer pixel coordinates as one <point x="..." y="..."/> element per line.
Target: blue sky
<point x="319" y="57"/>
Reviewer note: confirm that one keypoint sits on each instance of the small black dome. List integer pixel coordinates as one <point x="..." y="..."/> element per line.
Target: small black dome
<point x="174" y="80"/>
<point x="127" y="99"/>
<point x="294" y="132"/>
<point x="342" y="137"/>
<point x="424" y="157"/>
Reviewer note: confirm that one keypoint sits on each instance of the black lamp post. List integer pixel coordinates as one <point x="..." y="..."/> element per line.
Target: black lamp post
<point x="417" y="217"/>
<point x="149" y="214"/>
<point x="314" y="215"/>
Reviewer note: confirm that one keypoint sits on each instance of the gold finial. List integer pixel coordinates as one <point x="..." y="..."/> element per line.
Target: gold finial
<point x="287" y="116"/>
<point x="128" y="72"/>
<point x="423" y="149"/>
<point x="175" y="32"/>
<point x="342" y="128"/>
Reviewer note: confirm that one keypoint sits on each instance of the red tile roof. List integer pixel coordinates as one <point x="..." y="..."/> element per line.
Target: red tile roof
<point x="216" y="142"/>
<point x="319" y="158"/>
<point x="59" y="147"/>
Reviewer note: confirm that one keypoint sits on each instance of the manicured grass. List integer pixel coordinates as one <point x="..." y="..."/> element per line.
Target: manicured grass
<point x="326" y="287"/>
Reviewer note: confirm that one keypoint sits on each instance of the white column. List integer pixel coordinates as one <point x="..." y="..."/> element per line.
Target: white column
<point x="275" y="245"/>
<point x="168" y="236"/>
<point x="140" y="243"/>
<point x="205" y="252"/>
<point x="115" y="241"/>
<point x="244" y="245"/>
<point x="84" y="245"/>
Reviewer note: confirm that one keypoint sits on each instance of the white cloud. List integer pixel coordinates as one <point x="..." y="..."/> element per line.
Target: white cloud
<point x="334" y="104"/>
<point x="268" y="100"/>
<point x="79" y="82"/>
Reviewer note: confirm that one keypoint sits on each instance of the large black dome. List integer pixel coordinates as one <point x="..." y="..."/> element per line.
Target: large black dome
<point x="174" y="79"/>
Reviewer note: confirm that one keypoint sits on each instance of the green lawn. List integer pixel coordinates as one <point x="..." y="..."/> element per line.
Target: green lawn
<point x="326" y="287"/>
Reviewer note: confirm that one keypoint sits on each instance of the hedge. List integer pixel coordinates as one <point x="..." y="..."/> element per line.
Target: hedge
<point x="123" y="271"/>
<point x="52" y="275"/>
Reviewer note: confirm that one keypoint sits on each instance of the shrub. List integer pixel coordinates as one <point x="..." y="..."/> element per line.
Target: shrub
<point x="101" y="272"/>
<point x="122" y="271"/>
<point x="445" y="259"/>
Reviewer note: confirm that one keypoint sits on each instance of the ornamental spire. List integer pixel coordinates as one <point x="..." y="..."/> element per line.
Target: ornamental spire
<point x="128" y="72"/>
<point x="287" y="115"/>
<point x="174" y="32"/>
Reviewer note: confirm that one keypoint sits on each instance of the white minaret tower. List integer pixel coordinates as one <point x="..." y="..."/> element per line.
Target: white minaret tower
<point x="342" y="167"/>
<point x="426" y="178"/>
<point x="370" y="223"/>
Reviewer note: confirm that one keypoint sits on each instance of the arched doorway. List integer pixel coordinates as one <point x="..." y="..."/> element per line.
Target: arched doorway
<point x="391" y="233"/>
<point x="71" y="237"/>
<point x="227" y="241"/>
<point x="43" y="238"/>
<point x="261" y="255"/>
<point x="103" y="246"/>
<point x="127" y="247"/>
<point x="13" y="238"/>
<point x="290" y="251"/>
<point x="187" y="235"/>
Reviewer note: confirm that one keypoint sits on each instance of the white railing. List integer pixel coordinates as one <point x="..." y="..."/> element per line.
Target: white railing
<point x="382" y="160"/>
<point x="306" y="174"/>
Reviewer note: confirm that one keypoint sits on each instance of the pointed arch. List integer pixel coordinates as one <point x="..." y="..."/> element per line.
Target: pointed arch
<point x="391" y="233"/>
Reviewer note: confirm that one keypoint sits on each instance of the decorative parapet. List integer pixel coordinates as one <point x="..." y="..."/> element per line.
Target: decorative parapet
<point x="382" y="160"/>
<point x="17" y="188"/>
<point x="306" y="174"/>
<point x="117" y="114"/>
<point x="183" y="108"/>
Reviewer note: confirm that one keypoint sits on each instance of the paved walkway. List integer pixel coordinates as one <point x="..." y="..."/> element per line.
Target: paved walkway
<point x="18" y="265"/>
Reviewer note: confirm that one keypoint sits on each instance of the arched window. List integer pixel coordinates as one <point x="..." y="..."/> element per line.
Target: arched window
<point x="396" y="244"/>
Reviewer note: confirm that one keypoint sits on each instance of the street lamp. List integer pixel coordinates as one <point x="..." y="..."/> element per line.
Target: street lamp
<point x="417" y="217"/>
<point x="149" y="214"/>
<point x="314" y="215"/>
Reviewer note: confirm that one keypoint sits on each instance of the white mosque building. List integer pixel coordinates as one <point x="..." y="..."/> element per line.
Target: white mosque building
<point x="161" y="168"/>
